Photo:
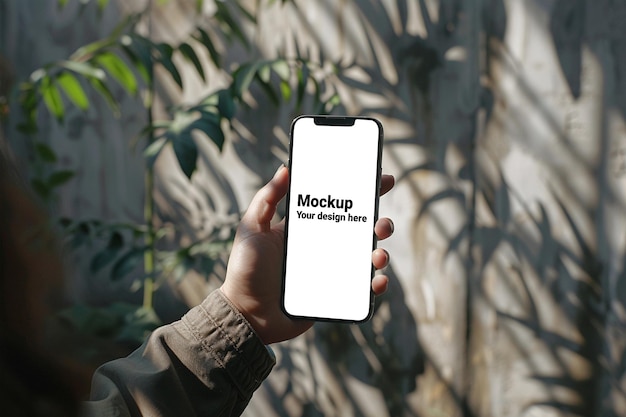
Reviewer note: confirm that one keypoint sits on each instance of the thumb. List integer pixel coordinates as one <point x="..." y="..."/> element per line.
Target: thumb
<point x="263" y="205"/>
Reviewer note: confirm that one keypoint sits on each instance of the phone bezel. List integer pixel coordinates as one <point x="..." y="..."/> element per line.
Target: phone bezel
<point x="327" y="120"/>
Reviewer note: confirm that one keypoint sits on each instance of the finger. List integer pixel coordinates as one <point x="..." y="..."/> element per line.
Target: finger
<point x="380" y="283"/>
<point x="280" y="226"/>
<point x="263" y="205"/>
<point x="383" y="228"/>
<point x="386" y="183"/>
<point x="380" y="258"/>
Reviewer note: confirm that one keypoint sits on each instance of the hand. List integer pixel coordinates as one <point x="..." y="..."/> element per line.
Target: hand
<point x="254" y="274"/>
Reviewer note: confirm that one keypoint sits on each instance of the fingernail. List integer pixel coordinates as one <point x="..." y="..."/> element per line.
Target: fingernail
<point x="393" y="227"/>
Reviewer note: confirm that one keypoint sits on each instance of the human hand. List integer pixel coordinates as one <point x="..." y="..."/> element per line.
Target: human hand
<point x="254" y="273"/>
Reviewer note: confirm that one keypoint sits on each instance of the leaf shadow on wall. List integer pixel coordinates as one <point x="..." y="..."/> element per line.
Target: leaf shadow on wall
<point x="383" y="353"/>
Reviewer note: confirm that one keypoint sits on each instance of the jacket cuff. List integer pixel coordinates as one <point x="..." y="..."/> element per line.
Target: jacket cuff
<point x="226" y="335"/>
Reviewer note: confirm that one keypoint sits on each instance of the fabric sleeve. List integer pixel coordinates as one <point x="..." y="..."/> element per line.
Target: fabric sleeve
<point x="207" y="364"/>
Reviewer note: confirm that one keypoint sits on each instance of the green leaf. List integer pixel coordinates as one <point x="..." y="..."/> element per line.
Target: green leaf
<point x="28" y="96"/>
<point x="210" y="101"/>
<point x="226" y="104"/>
<point x="28" y="100"/>
<point x="264" y="72"/>
<point x="45" y="153"/>
<point x="285" y="89"/>
<point x="106" y="94"/>
<point x="139" y="65"/>
<point x="118" y="70"/>
<point x="242" y="77"/>
<point x="52" y="98"/>
<point x="184" y="262"/>
<point x="127" y="263"/>
<point x="59" y="178"/>
<point x="210" y="127"/>
<point x="267" y="87"/>
<point x="73" y="90"/>
<point x="150" y="129"/>
<point x="62" y="3"/>
<point x="165" y="58"/>
<point x="83" y="68"/>
<point x="82" y="234"/>
<point x="110" y="252"/>
<point x="206" y="265"/>
<point x="186" y="152"/>
<point x="179" y="271"/>
<point x="29" y="127"/>
<point x="102" y="259"/>
<point x="91" y="320"/>
<point x="138" y="324"/>
<point x="153" y="150"/>
<point x="116" y="241"/>
<point x="102" y="4"/>
<point x="86" y="51"/>
<point x="41" y="188"/>
<point x="139" y="51"/>
<point x="182" y="121"/>
<point x="204" y="38"/>
<point x="281" y="67"/>
<point x="191" y="56"/>
<point x="38" y="75"/>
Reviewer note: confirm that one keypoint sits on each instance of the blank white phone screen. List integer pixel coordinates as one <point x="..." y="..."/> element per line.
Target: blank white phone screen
<point x="332" y="211"/>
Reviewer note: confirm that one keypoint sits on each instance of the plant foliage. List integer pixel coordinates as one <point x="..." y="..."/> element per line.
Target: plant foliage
<point x="122" y="64"/>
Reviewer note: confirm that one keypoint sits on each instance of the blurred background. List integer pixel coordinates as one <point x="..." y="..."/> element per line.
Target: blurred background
<point x="145" y="127"/>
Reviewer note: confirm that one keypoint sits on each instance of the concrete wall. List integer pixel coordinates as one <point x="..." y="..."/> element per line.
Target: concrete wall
<point x="504" y="125"/>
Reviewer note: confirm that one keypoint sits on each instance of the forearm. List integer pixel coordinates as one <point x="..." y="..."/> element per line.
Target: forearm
<point x="208" y="363"/>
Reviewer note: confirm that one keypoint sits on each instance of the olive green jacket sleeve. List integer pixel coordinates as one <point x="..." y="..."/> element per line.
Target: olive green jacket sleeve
<point x="207" y="364"/>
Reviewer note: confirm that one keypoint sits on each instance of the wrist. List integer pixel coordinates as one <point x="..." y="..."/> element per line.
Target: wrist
<point x="251" y="319"/>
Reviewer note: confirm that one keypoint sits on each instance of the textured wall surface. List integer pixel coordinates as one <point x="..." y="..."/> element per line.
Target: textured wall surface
<point x="504" y="125"/>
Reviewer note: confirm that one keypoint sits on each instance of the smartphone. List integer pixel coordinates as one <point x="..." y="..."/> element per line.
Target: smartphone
<point x="332" y="206"/>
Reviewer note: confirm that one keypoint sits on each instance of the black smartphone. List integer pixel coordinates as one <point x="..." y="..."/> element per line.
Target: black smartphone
<point x="332" y="206"/>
